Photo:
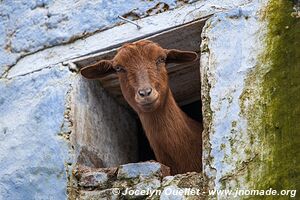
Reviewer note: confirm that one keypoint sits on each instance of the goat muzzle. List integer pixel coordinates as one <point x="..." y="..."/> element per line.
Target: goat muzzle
<point x="147" y="99"/>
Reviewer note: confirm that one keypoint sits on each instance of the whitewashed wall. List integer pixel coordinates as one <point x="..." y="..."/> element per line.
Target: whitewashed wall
<point x="250" y="90"/>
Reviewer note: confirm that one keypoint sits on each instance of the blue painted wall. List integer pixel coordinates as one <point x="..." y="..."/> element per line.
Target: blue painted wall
<point x="29" y="26"/>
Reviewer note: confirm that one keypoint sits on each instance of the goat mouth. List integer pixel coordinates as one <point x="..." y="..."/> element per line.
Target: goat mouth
<point x="149" y="105"/>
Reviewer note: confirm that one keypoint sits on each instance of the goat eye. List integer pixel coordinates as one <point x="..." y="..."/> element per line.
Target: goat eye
<point x="119" y="68"/>
<point x="160" y="60"/>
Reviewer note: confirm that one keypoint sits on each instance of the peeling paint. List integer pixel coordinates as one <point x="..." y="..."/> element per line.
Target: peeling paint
<point x="230" y="47"/>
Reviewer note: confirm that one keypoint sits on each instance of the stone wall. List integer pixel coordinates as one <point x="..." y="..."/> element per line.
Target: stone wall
<point x="147" y="180"/>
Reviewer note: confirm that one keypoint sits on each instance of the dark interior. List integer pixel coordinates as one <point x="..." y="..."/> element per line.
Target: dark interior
<point x="193" y="110"/>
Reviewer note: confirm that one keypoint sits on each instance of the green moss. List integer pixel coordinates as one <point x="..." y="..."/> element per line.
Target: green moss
<point x="223" y="146"/>
<point x="275" y="116"/>
<point x="282" y="87"/>
<point x="234" y="124"/>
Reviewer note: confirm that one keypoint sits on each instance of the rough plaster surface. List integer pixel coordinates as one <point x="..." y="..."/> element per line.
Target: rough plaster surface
<point x="28" y="26"/>
<point x="232" y="43"/>
<point x="105" y="133"/>
<point x="33" y="154"/>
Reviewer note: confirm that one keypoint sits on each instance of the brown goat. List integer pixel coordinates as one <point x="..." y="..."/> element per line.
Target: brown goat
<point x="141" y="68"/>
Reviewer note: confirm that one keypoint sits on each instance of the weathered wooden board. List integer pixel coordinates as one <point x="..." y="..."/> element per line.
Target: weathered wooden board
<point x="184" y="79"/>
<point x="184" y="37"/>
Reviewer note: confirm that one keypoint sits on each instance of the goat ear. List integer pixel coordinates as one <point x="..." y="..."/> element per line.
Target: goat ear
<point x="98" y="70"/>
<point x="177" y="56"/>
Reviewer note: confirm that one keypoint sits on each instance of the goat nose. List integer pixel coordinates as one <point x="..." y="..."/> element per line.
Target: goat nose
<point x="145" y="92"/>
